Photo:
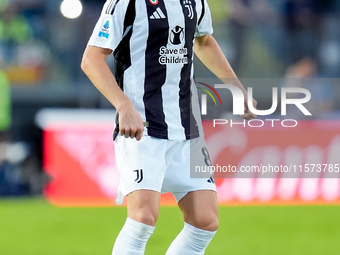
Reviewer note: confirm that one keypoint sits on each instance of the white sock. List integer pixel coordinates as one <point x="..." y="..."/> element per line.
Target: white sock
<point x="132" y="238"/>
<point x="190" y="241"/>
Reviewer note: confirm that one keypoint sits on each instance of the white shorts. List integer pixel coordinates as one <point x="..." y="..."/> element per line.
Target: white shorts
<point x="160" y="165"/>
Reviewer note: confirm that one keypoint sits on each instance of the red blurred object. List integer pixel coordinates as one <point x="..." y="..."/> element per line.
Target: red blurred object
<point x="80" y="160"/>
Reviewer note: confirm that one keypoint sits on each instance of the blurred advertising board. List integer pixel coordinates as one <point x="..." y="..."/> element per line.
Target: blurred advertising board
<point x="268" y="165"/>
<point x="277" y="165"/>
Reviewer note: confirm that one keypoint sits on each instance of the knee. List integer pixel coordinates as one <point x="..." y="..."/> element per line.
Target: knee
<point x="145" y="216"/>
<point x="143" y="206"/>
<point x="209" y="223"/>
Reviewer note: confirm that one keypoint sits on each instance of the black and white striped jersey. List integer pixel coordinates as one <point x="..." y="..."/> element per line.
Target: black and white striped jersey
<point x="152" y="42"/>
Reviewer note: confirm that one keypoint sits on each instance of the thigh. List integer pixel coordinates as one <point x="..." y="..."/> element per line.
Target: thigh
<point x="143" y="206"/>
<point x="200" y="209"/>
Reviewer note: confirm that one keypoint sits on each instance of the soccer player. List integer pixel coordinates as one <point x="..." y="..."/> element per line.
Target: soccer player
<point x="153" y="42"/>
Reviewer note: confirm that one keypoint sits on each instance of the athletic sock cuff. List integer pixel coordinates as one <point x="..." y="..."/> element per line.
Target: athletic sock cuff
<point x="139" y="229"/>
<point x="198" y="234"/>
<point x="195" y="230"/>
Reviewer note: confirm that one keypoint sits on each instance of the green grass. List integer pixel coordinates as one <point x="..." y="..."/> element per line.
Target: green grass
<point x="33" y="227"/>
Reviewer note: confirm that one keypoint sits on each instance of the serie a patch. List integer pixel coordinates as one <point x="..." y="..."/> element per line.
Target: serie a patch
<point x="105" y="31"/>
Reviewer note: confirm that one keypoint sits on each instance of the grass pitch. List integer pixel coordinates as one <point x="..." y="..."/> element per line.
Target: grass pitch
<point x="34" y="227"/>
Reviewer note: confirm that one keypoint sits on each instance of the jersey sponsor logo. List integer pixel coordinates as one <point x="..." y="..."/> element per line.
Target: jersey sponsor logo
<point x="154" y="2"/>
<point x="173" y="56"/>
<point x="139" y="173"/>
<point x="187" y="4"/>
<point x="105" y="31"/>
<point x="169" y="55"/>
<point x="177" y="35"/>
<point x="158" y="14"/>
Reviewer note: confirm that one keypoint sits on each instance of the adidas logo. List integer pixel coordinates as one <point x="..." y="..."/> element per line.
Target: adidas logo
<point x="158" y="14"/>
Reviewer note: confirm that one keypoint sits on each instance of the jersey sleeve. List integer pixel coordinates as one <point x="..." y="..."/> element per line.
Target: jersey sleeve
<point x="204" y="26"/>
<point x="109" y="29"/>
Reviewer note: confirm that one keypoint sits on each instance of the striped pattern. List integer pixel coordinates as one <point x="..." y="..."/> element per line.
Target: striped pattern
<point x="202" y="13"/>
<point x="153" y="49"/>
<point x="188" y="121"/>
<point x="111" y="7"/>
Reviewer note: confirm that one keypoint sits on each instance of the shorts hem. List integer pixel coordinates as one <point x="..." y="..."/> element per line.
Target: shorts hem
<point x="121" y="195"/>
<point x="182" y="194"/>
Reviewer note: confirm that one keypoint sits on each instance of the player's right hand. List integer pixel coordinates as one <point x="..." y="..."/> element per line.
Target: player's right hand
<point x="248" y="115"/>
<point x="131" y="123"/>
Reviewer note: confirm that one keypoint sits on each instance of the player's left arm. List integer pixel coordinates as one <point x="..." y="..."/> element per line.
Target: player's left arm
<point x="209" y="52"/>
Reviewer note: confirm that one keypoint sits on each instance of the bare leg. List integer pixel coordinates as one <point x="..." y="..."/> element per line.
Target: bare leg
<point x="200" y="213"/>
<point x="200" y="209"/>
<point x="143" y="207"/>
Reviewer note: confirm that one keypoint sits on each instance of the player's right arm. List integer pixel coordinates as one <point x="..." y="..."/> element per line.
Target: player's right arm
<point x="95" y="67"/>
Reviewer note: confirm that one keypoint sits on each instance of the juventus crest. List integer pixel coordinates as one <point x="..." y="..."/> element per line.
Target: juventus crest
<point x="187" y="4"/>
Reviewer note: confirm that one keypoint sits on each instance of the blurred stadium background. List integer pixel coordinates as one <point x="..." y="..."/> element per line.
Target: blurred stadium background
<point x="56" y="164"/>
